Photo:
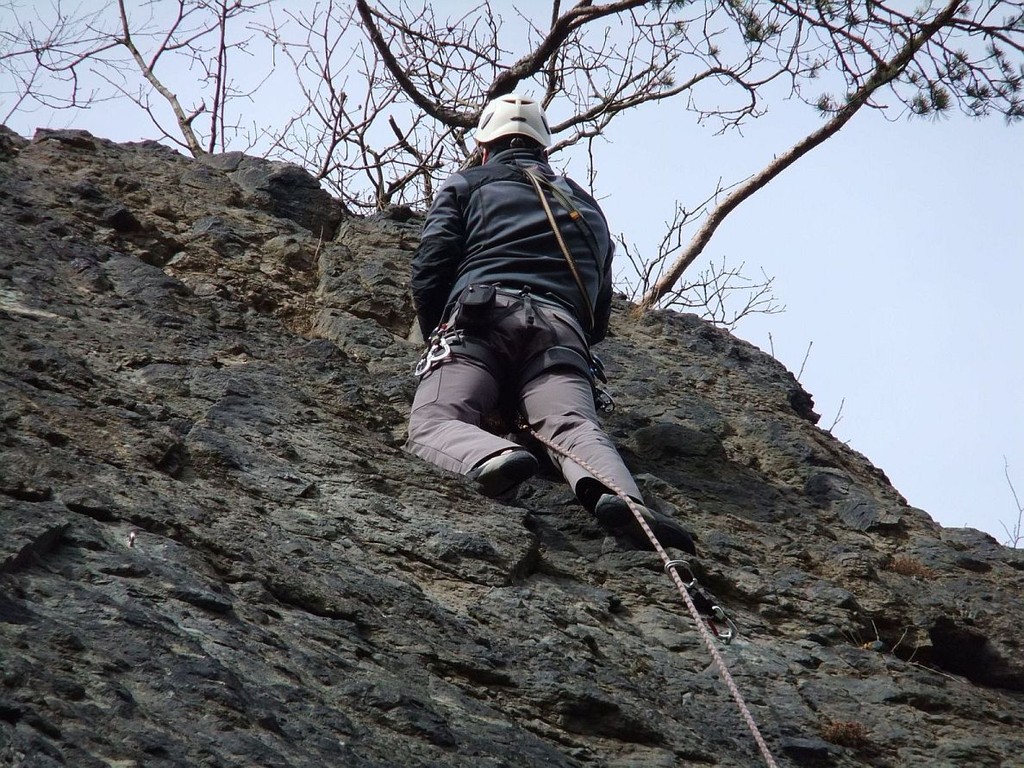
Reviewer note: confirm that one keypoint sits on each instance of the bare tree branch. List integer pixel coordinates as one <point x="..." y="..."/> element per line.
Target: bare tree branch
<point x="184" y="121"/>
<point x="70" y="48"/>
<point x="446" y="116"/>
<point x="1016" y="535"/>
<point x="882" y="75"/>
<point x="561" y="28"/>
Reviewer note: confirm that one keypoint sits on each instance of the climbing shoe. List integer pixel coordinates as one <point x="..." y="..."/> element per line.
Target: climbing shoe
<point x="614" y="513"/>
<point x="500" y="474"/>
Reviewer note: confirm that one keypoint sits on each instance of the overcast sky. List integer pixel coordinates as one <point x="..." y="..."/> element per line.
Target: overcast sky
<point x="896" y="249"/>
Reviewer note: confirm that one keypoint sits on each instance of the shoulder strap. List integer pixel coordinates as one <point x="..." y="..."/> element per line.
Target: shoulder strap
<point x="536" y="179"/>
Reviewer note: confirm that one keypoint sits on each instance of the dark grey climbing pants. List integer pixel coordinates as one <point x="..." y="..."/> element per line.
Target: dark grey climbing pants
<point x="454" y="398"/>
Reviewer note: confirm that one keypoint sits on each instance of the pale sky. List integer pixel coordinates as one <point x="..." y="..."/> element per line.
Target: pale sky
<point x="895" y="247"/>
<point x="897" y="251"/>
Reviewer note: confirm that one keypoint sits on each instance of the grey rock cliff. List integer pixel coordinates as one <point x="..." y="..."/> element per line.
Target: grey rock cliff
<point x="214" y="552"/>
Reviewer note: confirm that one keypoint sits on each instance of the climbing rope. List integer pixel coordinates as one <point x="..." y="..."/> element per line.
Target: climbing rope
<point x="671" y="568"/>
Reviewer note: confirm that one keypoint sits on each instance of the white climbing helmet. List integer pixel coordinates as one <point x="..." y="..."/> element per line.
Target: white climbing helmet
<point x="513" y="114"/>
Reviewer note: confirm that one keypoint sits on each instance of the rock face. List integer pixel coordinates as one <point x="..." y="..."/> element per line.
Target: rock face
<point x="214" y="552"/>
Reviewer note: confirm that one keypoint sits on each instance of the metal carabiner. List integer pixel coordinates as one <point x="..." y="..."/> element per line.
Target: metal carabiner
<point x="440" y="351"/>
<point x="603" y="400"/>
<point x="730" y="631"/>
<point x="435" y="353"/>
<point x="718" y="621"/>
<point x="673" y="565"/>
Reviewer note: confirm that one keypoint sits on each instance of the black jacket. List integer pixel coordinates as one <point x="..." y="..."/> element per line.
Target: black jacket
<point x="487" y="225"/>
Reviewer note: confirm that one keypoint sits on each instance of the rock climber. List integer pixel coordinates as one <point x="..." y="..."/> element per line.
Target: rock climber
<point x="512" y="284"/>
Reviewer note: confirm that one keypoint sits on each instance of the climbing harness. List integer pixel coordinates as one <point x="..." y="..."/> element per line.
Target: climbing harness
<point x="455" y="336"/>
<point x="708" y="616"/>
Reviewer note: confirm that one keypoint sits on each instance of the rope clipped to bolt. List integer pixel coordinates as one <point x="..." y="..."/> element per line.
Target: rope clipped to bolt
<point x="670" y="568"/>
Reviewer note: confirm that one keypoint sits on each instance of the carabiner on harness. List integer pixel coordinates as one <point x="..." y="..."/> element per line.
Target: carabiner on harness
<point x="438" y="350"/>
<point x="718" y="621"/>
<point x="603" y="399"/>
